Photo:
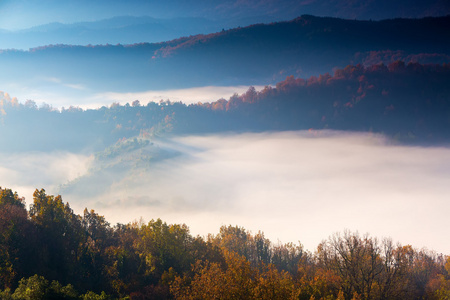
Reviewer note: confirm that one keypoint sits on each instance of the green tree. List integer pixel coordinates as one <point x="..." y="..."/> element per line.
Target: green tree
<point x="33" y="288"/>
<point x="60" y="235"/>
<point x="164" y="246"/>
<point x="93" y="296"/>
<point x="93" y="258"/>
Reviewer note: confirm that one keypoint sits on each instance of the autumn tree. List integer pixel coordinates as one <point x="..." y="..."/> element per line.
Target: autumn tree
<point x="355" y="259"/>
<point x="14" y="247"/>
<point x="235" y="280"/>
<point x="274" y="284"/>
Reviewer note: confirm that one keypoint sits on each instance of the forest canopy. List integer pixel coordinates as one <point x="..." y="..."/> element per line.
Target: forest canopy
<point x="49" y="252"/>
<point x="408" y="102"/>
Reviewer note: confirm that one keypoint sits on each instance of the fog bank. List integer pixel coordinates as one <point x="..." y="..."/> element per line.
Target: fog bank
<point x="59" y="94"/>
<point x="294" y="186"/>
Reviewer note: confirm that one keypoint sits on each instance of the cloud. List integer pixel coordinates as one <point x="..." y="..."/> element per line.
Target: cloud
<point x="52" y="79"/>
<point x="58" y="82"/>
<point x="75" y="86"/>
<point x="294" y="186"/>
<point x="50" y="90"/>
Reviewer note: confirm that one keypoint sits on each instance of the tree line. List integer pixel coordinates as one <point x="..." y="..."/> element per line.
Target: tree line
<point x="257" y="54"/>
<point x="407" y="102"/>
<point x="49" y="252"/>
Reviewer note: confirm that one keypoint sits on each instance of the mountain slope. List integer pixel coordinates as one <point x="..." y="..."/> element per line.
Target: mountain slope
<point x="255" y="55"/>
<point x="408" y="102"/>
<point x="26" y="13"/>
<point x="117" y="30"/>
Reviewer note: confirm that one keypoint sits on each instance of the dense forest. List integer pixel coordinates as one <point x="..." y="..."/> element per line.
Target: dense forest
<point x="49" y="252"/>
<point x="252" y="55"/>
<point x="336" y="112"/>
<point x="408" y="102"/>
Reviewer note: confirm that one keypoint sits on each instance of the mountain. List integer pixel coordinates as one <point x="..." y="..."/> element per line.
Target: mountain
<point x="25" y="13"/>
<point x="255" y="55"/>
<point x="376" y="9"/>
<point x="409" y="103"/>
<point x="117" y="30"/>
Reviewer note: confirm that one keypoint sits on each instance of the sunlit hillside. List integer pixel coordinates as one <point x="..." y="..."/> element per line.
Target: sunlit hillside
<point x="224" y="149"/>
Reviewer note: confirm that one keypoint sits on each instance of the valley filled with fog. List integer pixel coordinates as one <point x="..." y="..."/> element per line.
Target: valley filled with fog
<point x="298" y="160"/>
<point x="191" y="149"/>
<point x="295" y="186"/>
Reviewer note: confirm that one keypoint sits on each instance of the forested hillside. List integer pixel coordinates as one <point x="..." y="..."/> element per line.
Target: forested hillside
<point x="254" y="55"/>
<point x="49" y="252"/>
<point x="116" y="30"/>
<point x="408" y="102"/>
<point x="180" y="189"/>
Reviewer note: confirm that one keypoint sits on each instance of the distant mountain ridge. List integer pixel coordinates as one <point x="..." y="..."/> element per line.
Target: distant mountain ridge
<point x="47" y="11"/>
<point x="407" y="102"/>
<point x="117" y="30"/>
<point x="260" y="54"/>
<point x="127" y="24"/>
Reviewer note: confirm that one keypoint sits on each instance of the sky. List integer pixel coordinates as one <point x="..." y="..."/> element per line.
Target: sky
<point x="300" y="186"/>
<point x="20" y="14"/>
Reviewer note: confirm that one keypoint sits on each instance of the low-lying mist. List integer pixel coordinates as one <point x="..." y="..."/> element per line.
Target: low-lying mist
<point x="24" y="172"/>
<point x="57" y="93"/>
<point x="294" y="186"/>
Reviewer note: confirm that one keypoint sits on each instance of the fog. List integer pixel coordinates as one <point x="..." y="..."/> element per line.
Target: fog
<point x="187" y="96"/>
<point x="295" y="186"/>
<point x="25" y="172"/>
<point x="60" y="94"/>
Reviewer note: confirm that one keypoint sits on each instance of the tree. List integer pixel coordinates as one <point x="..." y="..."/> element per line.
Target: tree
<point x="38" y="288"/>
<point x="272" y="284"/>
<point x="33" y="288"/>
<point x="234" y="239"/>
<point x="250" y="96"/>
<point x="93" y="258"/>
<point x="15" y="250"/>
<point x="93" y="296"/>
<point x="60" y="235"/>
<point x="7" y="197"/>
<point x="288" y="256"/>
<point x="164" y="246"/>
<point x="356" y="260"/>
<point x="212" y="281"/>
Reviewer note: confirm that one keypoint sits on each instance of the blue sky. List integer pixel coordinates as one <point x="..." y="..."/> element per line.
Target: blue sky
<point x="20" y="14"/>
